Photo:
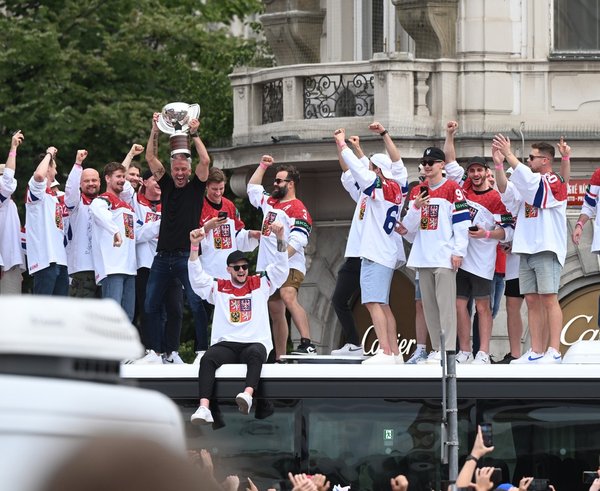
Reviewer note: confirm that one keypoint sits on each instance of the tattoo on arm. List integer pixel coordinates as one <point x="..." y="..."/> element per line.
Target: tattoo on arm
<point x="155" y="142"/>
<point x="281" y="245"/>
<point x="159" y="173"/>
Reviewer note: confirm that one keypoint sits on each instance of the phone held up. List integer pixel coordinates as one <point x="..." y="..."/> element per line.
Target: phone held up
<point x="222" y="215"/>
<point x="486" y="433"/>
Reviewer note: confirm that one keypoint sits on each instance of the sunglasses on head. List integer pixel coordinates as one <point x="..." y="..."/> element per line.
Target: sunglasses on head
<point x="279" y="181"/>
<point x="237" y="267"/>
<point x="531" y="157"/>
<point x="429" y="162"/>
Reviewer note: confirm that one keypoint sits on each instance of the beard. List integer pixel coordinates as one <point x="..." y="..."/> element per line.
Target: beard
<point x="279" y="192"/>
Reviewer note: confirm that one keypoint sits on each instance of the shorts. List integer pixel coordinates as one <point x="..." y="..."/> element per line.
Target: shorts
<point x="417" y="290"/>
<point x="511" y="289"/>
<point x="294" y="279"/>
<point x="539" y="273"/>
<point x="375" y="282"/>
<point x="470" y="285"/>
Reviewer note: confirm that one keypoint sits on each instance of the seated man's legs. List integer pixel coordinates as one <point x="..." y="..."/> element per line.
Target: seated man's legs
<point x="346" y="286"/>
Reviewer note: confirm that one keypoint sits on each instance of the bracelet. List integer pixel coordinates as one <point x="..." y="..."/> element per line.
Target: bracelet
<point x="473" y="458"/>
<point x="193" y="135"/>
<point x="566" y="158"/>
<point x="580" y="223"/>
<point x="487" y="234"/>
<point x="78" y="163"/>
<point x="499" y="166"/>
<point x="383" y="133"/>
<point x="194" y="248"/>
<point x="12" y="153"/>
<point x="263" y="166"/>
<point x="51" y="155"/>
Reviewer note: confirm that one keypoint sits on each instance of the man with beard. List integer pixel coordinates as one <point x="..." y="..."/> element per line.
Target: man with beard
<point x="134" y="176"/>
<point x="83" y="185"/>
<point x="490" y="223"/>
<point x="282" y="205"/>
<point x="113" y="236"/>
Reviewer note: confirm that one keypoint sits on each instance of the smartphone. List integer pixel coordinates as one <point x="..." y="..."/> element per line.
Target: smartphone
<point x="222" y="215"/>
<point x="589" y="476"/>
<point x="539" y="485"/>
<point x="424" y="191"/>
<point x="486" y="432"/>
<point x="496" y="476"/>
<point x="473" y="228"/>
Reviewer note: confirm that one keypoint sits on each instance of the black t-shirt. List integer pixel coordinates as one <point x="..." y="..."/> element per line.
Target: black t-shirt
<point x="181" y="209"/>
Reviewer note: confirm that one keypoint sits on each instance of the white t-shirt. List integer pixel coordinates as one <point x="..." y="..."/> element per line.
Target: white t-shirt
<point x="147" y="227"/>
<point x="10" y="225"/>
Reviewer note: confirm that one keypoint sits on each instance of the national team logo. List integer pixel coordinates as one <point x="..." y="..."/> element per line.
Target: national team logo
<point x="222" y="237"/>
<point x="240" y="309"/>
<point x="128" y="226"/>
<point x="151" y="217"/>
<point x="429" y="217"/>
<point x="531" y="211"/>
<point x="269" y="219"/>
<point x="58" y="216"/>
<point x="472" y="212"/>
<point x="363" y="208"/>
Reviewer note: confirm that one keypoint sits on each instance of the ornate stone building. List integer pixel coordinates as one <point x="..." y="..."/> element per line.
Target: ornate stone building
<point x="526" y="68"/>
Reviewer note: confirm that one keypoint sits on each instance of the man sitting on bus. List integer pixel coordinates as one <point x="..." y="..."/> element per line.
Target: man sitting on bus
<point x="240" y="329"/>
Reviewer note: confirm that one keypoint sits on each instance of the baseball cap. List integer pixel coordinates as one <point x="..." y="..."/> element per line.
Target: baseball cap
<point x="382" y="161"/>
<point x="506" y="486"/>
<point x="147" y="174"/>
<point x="55" y="183"/>
<point x="236" y="256"/>
<point x="434" y="153"/>
<point x="479" y="161"/>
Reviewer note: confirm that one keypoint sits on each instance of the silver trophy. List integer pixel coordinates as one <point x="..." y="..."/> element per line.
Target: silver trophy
<point x="174" y="120"/>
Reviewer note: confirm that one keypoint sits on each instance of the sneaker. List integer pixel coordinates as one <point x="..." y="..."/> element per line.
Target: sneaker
<point x="481" y="358"/>
<point x="434" y="358"/>
<point x="551" y="356"/>
<point x="202" y="416"/>
<point x="530" y="357"/>
<point x="380" y="358"/>
<point x="348" y="349"/>
<point x="199" y="355"/>
<point x="151" y="358"/>
<point x="463" y="357"/>
<point x="419" y="354"/>
<point x="504" y="361"/>
<point x="244" y="402"/>
<point x="399" y="359"/>
<point x="173" y="359"/>
<point x="305" y="348"/>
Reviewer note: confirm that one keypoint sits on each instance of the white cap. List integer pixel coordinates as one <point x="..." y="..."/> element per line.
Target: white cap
<point x="382" y="161"/>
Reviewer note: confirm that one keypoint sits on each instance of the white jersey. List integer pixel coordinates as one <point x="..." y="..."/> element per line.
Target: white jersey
<point x="297" y="225"/>
<point x="241" y="314"/>
<point x="79" y="228"/>
<point x="541" y="201"/>
<point x="146" y="231"/>
<point x="378" y="209"/>
<point x="112" y="215"/>
<point x="10" y="225"/>
<point x="223" y="239"/>
<point x="512" y="266"/>
<point x="46" y="240"/>
<point x="590" y="208"/>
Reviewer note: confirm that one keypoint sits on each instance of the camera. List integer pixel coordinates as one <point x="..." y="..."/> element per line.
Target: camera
<point x="486" y="433"/>
<point x="539" y="485"/>
<point x="589" y="476"/>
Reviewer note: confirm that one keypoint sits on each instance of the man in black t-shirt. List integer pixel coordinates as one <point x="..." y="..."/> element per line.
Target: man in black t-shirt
<point x="181" y="203"/>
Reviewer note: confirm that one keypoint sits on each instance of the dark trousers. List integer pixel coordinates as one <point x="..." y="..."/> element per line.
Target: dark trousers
<point x="53" y="280"/>
<point x="347" y="287"/>
<point x="225" y="352"/>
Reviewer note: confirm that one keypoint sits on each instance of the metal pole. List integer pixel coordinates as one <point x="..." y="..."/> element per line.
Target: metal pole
<point x="449" y="427"/>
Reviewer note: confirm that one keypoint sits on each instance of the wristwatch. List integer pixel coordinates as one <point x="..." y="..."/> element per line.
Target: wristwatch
<point x="472" y="457"/>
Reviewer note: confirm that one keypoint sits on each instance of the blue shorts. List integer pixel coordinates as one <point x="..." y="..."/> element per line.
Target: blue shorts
<point x="539" y="273"/>
<point x="375" y="282"/>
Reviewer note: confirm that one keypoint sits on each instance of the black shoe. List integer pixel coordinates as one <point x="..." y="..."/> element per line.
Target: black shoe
<point x="305" y="348"/>
<point x="504" y="361"/>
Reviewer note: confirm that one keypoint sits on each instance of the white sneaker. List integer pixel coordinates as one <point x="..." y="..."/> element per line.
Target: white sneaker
<point x="173" y="359"/>
<point x="348" y="349"/>
<point x="151" y="358"/>
<point x="244" y="402"/>
<point x="434" y="358"/>
<point x="419" y="354"/>
<point x="551" y="356"/>
<point x="202" y="416"/>
<point x="399" y="359"/>
<point x="481" y="358"/>
<point x="530" y="357"/>
<point x="463" y="357"/>
<point x="199" y="355"/>
<point x="380" y="358"/>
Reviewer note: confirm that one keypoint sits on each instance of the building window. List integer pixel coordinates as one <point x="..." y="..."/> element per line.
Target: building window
<point x="337" y="96"/>
<point x="577" y="28"/>
<point x="272" y="102"/>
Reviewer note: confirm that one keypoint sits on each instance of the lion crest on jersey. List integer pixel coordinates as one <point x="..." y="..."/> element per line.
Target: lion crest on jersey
<point x="240" y="309"/>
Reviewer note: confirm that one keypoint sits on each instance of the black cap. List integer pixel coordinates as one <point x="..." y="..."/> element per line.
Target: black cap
<point x="147" y="174"/>
<point x="434" y="153"/>
<point x="236" y="256"/>
<point x="479" y="161"/>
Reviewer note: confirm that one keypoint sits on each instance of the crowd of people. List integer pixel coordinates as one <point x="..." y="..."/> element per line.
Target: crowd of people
<point x="475" y="232"/>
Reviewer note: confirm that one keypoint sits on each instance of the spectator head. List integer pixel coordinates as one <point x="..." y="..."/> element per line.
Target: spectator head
<point x="133" y="174"/>
<point x="541" y="157"/>
<point x="286" y="182"/>
<point x="215" y="185"/>
<point x="150" y="187"/>
<point x="433" y="162"/>
<point x="181" y="169"/>
<point x="382" y="165"/>
<point x="90" y="182"/>
<point x="477" y="171"/>
<point x="237" y="267"/>
<point x="114" y="175"/>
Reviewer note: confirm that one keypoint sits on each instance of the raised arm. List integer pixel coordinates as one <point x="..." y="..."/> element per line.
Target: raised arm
<point x="565" y="162"/>
<point x="390" y="147"/>
<point x="17" y="139"/>
<point x="155" y="165"/>
<point x="501" y="180"/>
<point x="135" y="150"/>
<point x="449" y="149"/>
<point x="266" y="161"/>
<point x="41" y="170"/>
<point x="73" y="185"/>
<point x="204" y="158"/>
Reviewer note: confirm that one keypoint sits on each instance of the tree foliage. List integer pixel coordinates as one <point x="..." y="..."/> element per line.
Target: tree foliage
<point x="90" y="73"/>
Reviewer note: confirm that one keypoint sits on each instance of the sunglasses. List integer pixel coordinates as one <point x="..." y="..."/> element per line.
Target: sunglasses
<point x="429" y="162"/>
<point x="531" y="157"/>
<point x="237" y="267"/>
<point x="279" y="181"/>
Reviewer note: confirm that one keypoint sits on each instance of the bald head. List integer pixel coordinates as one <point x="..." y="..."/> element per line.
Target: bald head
<point x="90" y="183"/>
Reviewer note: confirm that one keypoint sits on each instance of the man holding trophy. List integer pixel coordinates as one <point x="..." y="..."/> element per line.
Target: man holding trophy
<point x="182" y="197"/>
